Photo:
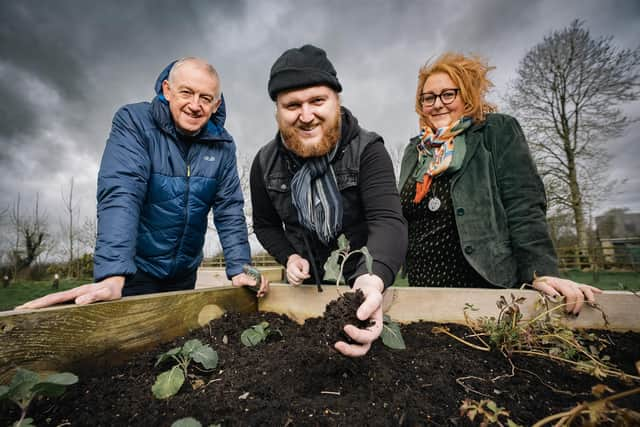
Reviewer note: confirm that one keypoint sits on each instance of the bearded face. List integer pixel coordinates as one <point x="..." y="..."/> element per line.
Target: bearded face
<point x="309" y="120"/>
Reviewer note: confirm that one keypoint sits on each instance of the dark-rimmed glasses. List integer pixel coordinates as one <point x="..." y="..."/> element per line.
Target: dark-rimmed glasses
<point x="447" y="96"/>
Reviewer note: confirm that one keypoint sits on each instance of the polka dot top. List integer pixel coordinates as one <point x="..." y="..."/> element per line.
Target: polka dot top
<point x="434" y="256"/>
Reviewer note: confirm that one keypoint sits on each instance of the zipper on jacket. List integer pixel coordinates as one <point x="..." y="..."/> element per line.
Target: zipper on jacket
<point x="186" y="222"/>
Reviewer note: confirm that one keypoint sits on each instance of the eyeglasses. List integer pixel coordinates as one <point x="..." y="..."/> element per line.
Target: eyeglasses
<point x="447" y="96"/>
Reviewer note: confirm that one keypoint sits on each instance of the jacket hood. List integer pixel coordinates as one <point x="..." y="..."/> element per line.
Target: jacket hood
<point x="218" y="118"/>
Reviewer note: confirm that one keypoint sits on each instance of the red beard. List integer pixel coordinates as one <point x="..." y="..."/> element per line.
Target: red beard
<point x="330" y="137"/>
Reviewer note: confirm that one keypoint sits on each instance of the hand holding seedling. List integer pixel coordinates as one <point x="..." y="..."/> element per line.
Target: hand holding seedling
<point x="250" y="277"/>
<point x="372" y="287"/>
<point x="297" y="270"/>
<point x="573" y="292"/>
<point x="106" y="290"/>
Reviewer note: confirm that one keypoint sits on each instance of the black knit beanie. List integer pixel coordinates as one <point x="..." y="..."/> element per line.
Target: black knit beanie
<point x="300" y="68"/>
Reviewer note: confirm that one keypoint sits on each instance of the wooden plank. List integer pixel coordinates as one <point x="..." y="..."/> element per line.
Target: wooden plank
<point x="56" y="338"/>
<point x="211" y="276"/>
<point x="299" y="302"/>
<point x="447" y="305"/>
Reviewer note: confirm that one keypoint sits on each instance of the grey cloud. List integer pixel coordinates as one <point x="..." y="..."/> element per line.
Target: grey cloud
<point x="90" y="58"/>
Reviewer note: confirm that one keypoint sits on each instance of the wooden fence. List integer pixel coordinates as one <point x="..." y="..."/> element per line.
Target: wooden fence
<point x="569" y="258"/>
<point x="595" y="259"/>
<point x="259" y="260"/>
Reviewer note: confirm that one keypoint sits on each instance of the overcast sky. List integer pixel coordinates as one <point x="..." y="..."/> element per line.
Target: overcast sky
<point x="67" y="66"/>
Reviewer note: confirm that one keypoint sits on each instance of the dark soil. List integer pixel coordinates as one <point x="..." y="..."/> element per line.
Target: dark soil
<point x="299" y="380"/>
<point x="340" y="312"/>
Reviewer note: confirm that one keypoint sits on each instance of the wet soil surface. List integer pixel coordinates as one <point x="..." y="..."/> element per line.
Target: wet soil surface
<point x="297" y="379"/>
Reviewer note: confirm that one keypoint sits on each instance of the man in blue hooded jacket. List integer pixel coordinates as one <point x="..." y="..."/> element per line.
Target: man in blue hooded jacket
<point x="165" y="166"/>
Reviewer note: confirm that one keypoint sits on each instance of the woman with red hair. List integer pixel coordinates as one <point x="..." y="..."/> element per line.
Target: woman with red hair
<point x="470" y="191"/>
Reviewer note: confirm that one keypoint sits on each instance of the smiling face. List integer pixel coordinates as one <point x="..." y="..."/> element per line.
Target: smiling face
<point x="309" y="120"/>
<point x="440" y="115"/>
<point x="192" y="92"/>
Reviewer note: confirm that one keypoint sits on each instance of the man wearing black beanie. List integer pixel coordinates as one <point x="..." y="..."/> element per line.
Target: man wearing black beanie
<point x="323" y="176"/>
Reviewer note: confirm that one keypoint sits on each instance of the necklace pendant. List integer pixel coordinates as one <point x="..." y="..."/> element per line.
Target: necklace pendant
<point x="434" y="204"/>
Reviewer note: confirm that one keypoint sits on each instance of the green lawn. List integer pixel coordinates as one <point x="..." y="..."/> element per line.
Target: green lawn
<point x="606" y="280"/>
<point x="22" y="291"/>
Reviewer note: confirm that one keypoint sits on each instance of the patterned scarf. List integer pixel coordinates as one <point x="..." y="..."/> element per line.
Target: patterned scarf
<point x="438" y="152"/>
<point x="316" y="197"/>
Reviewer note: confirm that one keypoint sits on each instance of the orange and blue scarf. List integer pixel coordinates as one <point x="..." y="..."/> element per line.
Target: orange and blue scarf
<point x="438" y="152"/>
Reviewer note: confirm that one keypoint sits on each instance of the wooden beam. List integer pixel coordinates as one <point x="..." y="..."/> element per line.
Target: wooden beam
<point x="59" y="337"/>
<point x="446" y="305"/>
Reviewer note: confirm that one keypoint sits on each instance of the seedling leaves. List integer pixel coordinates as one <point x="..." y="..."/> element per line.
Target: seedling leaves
<point x="206" y="356"/>
<point x="343" y="243"/>
<point x="391" y="335"/>
<point x="256" y="334"/>
<point x="332" y="267"/>
<point x="168" y="355"/>
<point x="186" y="422"/>
<point x="168" y="383"/>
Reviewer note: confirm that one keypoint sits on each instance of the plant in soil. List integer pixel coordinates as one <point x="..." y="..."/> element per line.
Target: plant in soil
<point x="487" y="412"/>
<point x="169" y="382"/>
<point x="299" y="381"/>
<point x="257" y="333"/>
<point x="26" y="385"/>
<point x="342" y="311"/>
<point x="543" y="336"/>
<point x="190" y="422"/>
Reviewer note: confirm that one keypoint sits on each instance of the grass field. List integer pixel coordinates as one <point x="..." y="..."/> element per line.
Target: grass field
<point x="606" y="280"/>
<point x="22" y="291"/>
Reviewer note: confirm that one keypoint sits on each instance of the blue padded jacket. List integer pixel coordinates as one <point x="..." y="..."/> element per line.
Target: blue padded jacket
<point x="153" y="202"/>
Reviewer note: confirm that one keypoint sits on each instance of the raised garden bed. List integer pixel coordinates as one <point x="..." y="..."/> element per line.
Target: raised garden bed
<point x="297" y="379"/>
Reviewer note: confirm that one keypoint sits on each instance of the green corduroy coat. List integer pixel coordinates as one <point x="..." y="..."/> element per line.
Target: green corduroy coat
<point x="499" y="204"/>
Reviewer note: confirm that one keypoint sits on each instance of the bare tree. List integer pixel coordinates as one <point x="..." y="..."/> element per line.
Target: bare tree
<point x="16" y="221"/>
<point x="567" y="96"/>
<point x="244" y="161"/>
<point x="32" y="233"/>
<point x="70" y="230"/>
<point x="4" y="240"/>
<point x="87" y="234"/>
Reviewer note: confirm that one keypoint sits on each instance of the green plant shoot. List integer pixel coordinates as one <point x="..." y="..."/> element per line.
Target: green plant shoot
<point x="257" y="333"/>
<point x="391" y="335"/>
<point x="27" y="384"/>
<point x="169" y="382"/>
<point x="335" y="263"/>
<point x="190" y="422"/>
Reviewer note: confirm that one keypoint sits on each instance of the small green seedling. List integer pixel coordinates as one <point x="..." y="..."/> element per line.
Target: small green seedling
<point x="257" y="333"/>
<point x="335" y="263"/>
<point x="27" y="384"/>
<point x="190" y="422"/>
<point x="391" y="335"/>
<point x="169" y="382"/>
